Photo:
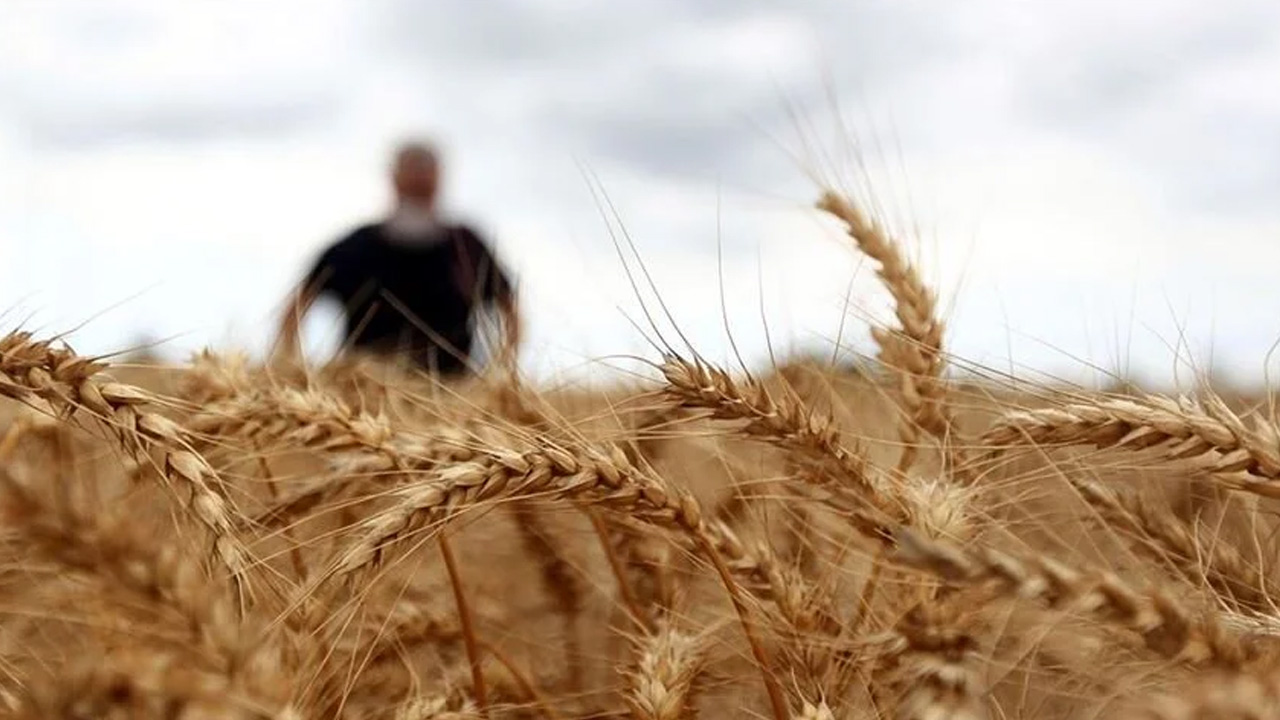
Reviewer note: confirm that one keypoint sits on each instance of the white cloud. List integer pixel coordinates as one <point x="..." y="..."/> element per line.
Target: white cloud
<point x="1067" y="165"/>
<point x="106" y="72"/>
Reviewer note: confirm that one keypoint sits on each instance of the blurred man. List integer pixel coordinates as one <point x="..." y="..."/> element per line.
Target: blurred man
<point x="411" y="284"/>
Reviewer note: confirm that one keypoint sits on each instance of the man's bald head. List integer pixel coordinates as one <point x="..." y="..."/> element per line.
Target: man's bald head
<point x="415" y="173"/>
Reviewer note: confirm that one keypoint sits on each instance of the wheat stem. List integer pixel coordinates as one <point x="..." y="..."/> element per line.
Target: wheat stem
<point x="468" y="624"/>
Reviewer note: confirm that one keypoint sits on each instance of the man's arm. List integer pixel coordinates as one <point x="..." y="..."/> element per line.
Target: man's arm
<point x="288" y="340"/>
<point x="320" y="278"/>
<point x="493" y="286"/>
<point x="512" y="323"/>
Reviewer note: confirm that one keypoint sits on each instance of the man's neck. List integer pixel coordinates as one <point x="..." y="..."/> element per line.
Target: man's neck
<point x="412" y="223"/>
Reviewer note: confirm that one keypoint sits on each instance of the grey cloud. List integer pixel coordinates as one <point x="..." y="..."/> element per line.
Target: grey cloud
<point x="668" y="121"/>
<point x="1133" y="95"/>
<point x="1227" y="164"/>
<point x="100" y="80"/>
<point x="183" y="122"/>
<point x="672" y="146"/>
<point x="506" y="34"/>
<point x="603" y="78"/>
<point x="1086" y="87"/>
<point x="515" y="35"/>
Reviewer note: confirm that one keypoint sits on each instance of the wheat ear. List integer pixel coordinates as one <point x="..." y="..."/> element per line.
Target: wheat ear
<point x="436" y="707"/>
<point x="137" y="574"/>
<point x="1165" y="627"/>
<point x="810" y="438"/>
<point x="606" y="479"/>
<point x="142" y="683"/>
<point x="1244" y="696"/>
<point x="661" y="686"/>
<point x="36" y="373"/>
<point x="809" y="710"/>
<point x="939" y="658"/>
<point x="914" y="349"/>
<point x="1170" y="539"/>
<point x="801" y="612"/>
<point x="1206" y="433"/>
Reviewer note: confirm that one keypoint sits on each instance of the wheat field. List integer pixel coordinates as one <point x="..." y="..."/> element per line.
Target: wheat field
<point x="237" y="540"/>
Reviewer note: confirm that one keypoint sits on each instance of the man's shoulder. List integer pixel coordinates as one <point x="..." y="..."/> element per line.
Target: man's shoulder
<point x="362" y="234"/>
<point x="466" y="232"/>
<point x="355" y="240"/>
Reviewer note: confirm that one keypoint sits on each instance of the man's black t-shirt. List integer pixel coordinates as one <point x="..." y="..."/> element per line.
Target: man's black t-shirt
<point x="413" y="299"/>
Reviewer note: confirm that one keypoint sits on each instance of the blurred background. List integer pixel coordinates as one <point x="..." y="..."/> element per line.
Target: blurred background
<point x="1094" y="186"/>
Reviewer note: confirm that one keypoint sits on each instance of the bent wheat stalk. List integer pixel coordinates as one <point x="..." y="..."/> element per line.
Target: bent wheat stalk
<point x="44" y="377"/>
<point x="606" y="479"/>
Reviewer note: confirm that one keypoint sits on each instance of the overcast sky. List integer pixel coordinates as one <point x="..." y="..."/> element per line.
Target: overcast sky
<point x="1086" y="182"/>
